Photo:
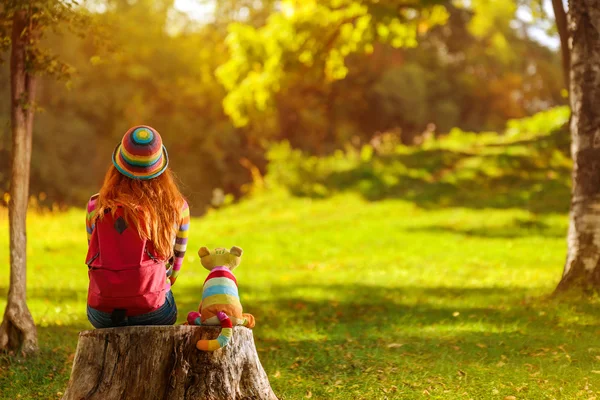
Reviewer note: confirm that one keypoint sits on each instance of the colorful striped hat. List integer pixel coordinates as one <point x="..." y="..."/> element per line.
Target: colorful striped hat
<point x="141" y="154"/>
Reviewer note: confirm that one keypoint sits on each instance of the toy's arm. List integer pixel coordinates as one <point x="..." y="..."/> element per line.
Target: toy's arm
<point x="180" y="243"/>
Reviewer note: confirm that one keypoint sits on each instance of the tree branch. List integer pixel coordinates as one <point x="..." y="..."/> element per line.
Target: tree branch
<point x="561" y="24"/>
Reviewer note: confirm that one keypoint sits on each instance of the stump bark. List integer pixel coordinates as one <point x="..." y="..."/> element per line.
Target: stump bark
<point x="162" y="362"/>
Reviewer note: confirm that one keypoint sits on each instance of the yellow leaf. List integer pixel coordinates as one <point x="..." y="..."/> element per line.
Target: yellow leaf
<point x="308" y="394"/>
<point x="95" y="60"/>
<point x="481" y="345"/>
<point x="394" y="345"/>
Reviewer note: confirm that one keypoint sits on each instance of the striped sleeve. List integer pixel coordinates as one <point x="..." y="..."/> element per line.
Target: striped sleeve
<point x="89" y="216"/>
<point x="181" y="242"/>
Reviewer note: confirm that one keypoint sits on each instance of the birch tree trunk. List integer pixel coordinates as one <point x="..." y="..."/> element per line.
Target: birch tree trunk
<point x="582" y="268"/>
<point x="162" y="362"/>
<point x="17" y="331"/>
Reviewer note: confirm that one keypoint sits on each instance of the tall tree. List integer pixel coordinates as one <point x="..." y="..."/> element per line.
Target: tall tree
<point x="28" y="58"/>
<point x="18" y="329"/>
<point x="582" y="268"/>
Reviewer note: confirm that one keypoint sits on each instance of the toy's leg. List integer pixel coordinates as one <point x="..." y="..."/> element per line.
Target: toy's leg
<point x="248" y="320"/>
<point x="193" y="318"/>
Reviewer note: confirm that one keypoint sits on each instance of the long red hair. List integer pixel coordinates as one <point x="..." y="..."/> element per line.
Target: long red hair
<point x="153" y="206"/>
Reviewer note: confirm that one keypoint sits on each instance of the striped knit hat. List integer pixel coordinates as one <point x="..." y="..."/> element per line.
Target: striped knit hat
<point x="141" y="154"/>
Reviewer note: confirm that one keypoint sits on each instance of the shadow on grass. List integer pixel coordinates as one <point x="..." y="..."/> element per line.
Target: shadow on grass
<point x="517" y="229"/>
<point x="385" y="335"/>
<point x="356" y="309"/>
<point x="374" y="313"/>
<point x="426" y="329"/>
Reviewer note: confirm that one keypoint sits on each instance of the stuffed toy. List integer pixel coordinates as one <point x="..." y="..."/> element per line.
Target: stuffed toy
<point x="220" y="300"/>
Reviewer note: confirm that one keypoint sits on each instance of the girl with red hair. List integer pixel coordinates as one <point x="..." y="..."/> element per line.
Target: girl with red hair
<point x="137" y="236"/>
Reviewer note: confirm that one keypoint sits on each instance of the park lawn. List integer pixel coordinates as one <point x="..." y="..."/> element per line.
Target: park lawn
<point x="354" y="300"/>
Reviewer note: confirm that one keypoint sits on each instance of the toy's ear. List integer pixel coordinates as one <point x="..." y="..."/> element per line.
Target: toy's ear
<point x="203" y="252"/>
<point x="236" y="251"/>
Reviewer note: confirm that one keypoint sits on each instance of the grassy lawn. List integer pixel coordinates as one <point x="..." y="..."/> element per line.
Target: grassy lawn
<point x="355" y="300"/>
<point x="391" y="274"/>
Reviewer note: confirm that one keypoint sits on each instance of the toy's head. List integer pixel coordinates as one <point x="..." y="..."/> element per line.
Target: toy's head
<point x="220" y="257"/>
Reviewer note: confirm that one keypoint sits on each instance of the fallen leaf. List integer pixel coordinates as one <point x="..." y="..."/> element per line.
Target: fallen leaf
<point x="481" y="345"/>
<point x="394" y="345"/>
<point x="595" y="372"/>
<point x="308" y="394"/>
<point x="510" y="398"/>
<point x="277" y="374"/>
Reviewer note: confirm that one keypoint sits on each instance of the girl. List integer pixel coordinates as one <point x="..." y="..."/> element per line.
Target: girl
<point x="137" y="235"/>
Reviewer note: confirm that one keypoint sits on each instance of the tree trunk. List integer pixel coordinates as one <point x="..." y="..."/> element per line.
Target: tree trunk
<point x="17" y="331"/>
<point x="582" y="268"/>
<point x="561" y="26"/>
<point x="162" y="362"/>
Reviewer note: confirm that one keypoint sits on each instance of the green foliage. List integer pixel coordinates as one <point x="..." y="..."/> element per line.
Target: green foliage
<point x="44" y="17"/>
<point x="279" y="67"/>
<point x="491" y="21"/>
<point x="313" y="37"/>
<point x="402" y="95"/>
<point x="309" y="77"/>
<point x="129" y="83"/>
<point x="528" y="167"/>
<point x="540" y="123"/>
<point x="354" y="300"/>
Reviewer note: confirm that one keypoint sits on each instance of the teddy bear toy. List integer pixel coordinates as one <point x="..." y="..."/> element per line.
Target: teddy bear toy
<point x="220" y="300"/>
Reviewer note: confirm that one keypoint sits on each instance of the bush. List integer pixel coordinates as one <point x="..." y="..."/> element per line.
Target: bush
<point x="524" y="167"/>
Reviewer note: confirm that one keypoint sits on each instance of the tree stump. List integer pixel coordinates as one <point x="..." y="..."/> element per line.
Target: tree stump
<point x="162" y="362"/>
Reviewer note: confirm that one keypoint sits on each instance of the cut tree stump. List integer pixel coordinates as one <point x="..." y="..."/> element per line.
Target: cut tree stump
<point x="162" y="362"/>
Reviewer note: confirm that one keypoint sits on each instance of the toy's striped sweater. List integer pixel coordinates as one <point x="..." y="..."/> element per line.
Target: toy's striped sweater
<point x="220" y="306"/>
<point x="220" y="287"/>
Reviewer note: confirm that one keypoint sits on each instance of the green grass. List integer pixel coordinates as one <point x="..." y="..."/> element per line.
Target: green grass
<point x="397" y="273"/>
<point x="355" y="300"/>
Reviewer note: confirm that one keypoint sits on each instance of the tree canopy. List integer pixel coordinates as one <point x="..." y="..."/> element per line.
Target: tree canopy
<point x="320" y="74"/>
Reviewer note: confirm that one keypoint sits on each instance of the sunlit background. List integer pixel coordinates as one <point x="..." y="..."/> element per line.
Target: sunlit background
<point x="226" y="81"/>
<point x="397" y="173"/>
